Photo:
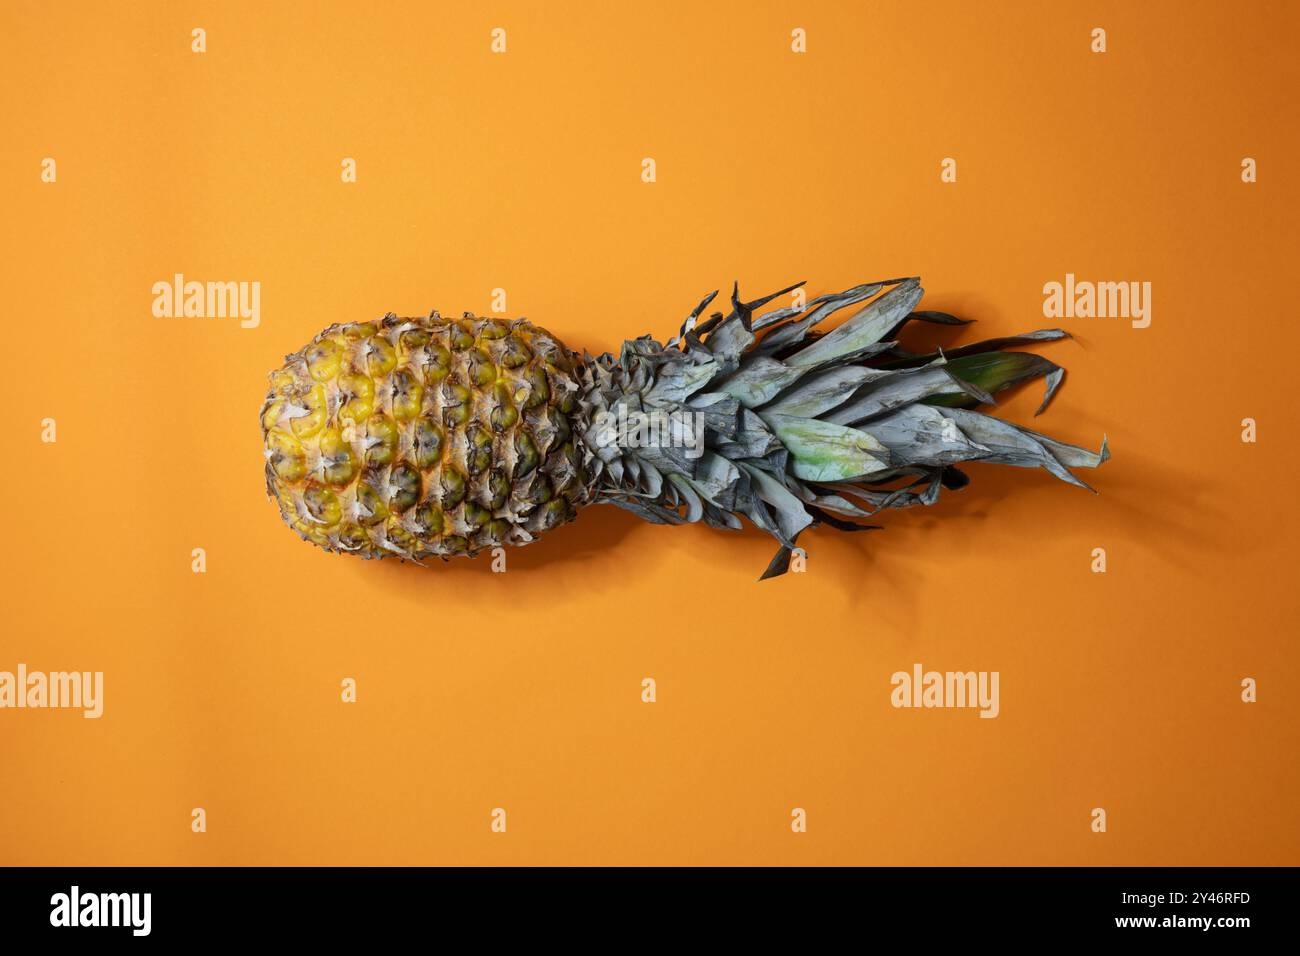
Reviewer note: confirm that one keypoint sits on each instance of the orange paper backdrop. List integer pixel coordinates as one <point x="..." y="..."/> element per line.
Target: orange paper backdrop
<point x="522" y="171"/>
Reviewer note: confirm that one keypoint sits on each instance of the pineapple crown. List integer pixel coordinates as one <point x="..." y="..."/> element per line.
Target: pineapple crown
<point x="792" y="428"/>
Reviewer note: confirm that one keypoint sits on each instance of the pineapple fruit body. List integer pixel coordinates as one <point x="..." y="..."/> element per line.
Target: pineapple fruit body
<point x="422" y="437"/>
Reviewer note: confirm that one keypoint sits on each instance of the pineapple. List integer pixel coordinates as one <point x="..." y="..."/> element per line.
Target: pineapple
<point x="422" y="437"/>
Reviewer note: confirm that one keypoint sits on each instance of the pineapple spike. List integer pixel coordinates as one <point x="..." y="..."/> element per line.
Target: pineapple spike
<point x="439" y="437"/>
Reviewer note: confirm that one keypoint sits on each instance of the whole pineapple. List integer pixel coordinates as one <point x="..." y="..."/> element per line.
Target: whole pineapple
<point x="418" y="437"/>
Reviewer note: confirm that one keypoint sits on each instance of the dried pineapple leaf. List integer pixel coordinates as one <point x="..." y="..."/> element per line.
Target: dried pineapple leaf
<point x="1010" y="444"/>
<point x="929" y="317"/>
<point x="898" y="389"/>
<point x="921" y="435"/>
<point x="677" y="381"/>
<point x="994" y="371"/>
<point x="864" y="329"/>
<point x="793" y="333"/>
<point x="791" y="515"/>
<point x="823" y="391"/>
<point x="645" y="510"/>
<point x="759" y="380"/>
<point x="899" y="358"/>
<point x="824" y="451"/>
<point x="779" y="564"/>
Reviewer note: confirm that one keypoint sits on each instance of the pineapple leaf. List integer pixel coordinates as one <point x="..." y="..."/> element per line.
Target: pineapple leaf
<point x="933" y="318"/>
<point x="779" y="564"/>
<point x="824" y="451"/>
<point x="898" y="358"/>
<point x="822" y="391"/>
<point x="991" y="372"/>
<point x="864" y="329"/>
<point x="1010" y="444"/>
<point x="759" y="381"/>
<point x="791" y="515"/>
<point x="898" y="389"/>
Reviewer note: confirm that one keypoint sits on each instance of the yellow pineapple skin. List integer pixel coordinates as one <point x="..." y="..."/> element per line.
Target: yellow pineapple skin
<point x="423" y="437"/>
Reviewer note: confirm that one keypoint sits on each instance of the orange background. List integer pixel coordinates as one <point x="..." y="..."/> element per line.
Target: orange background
<point x="522" y="171"/>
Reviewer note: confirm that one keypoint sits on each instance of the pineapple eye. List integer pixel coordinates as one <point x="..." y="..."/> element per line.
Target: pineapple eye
<point x="481" y="370"/>
<point x="538" y="389"/>
<point x="554" y="512"/>
<point x="381" y="440"/>
<point x="402" y="538"/>
<point x="305" y="426"/>
<point x="555" y="359"/>
<point x="479" y="455"/>
<point x="504" y="416"/>
<point x="312" y="532"/>
<point x="340" y="471"/>
<point x="540" y="493"/>
<point x="403" y="487"/>
<point x="323" y="505"/>
<point x="359" y="330"/>
<point x="352" y="538"/>
<point x="337" y="461"/>
<point x="359" y="397"/>
<point x="370" y="507"/>
<point x="323" y="361"/>
<point x="407" y="395"/>
<point x="413" y="339"/>
<point x="461" y="338"/>
<point x="476" y="516"/>
<point x="499" y="486"/>
<point x="272" y="414"/>
<point x="515" y="354"/>
<point x="456" y="416"/>
<point x="283" y="443"/>
<point x="526" y="452"/>
<point x="288" y="467"/>
<point x="436" y="364"/>
<point x="429" y="517"/>
<point x="315" y="397"/>
<point x="381" y="357"/>
<point x="491" y="329"/>
<point x="454" y="393"/>
<point x="286" y="455"/>
<point x="453" y="489"/>
<point x="428" y="443"/>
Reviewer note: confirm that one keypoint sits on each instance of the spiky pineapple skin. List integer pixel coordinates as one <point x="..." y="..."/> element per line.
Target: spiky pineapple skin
<point x="424" y="437"/>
